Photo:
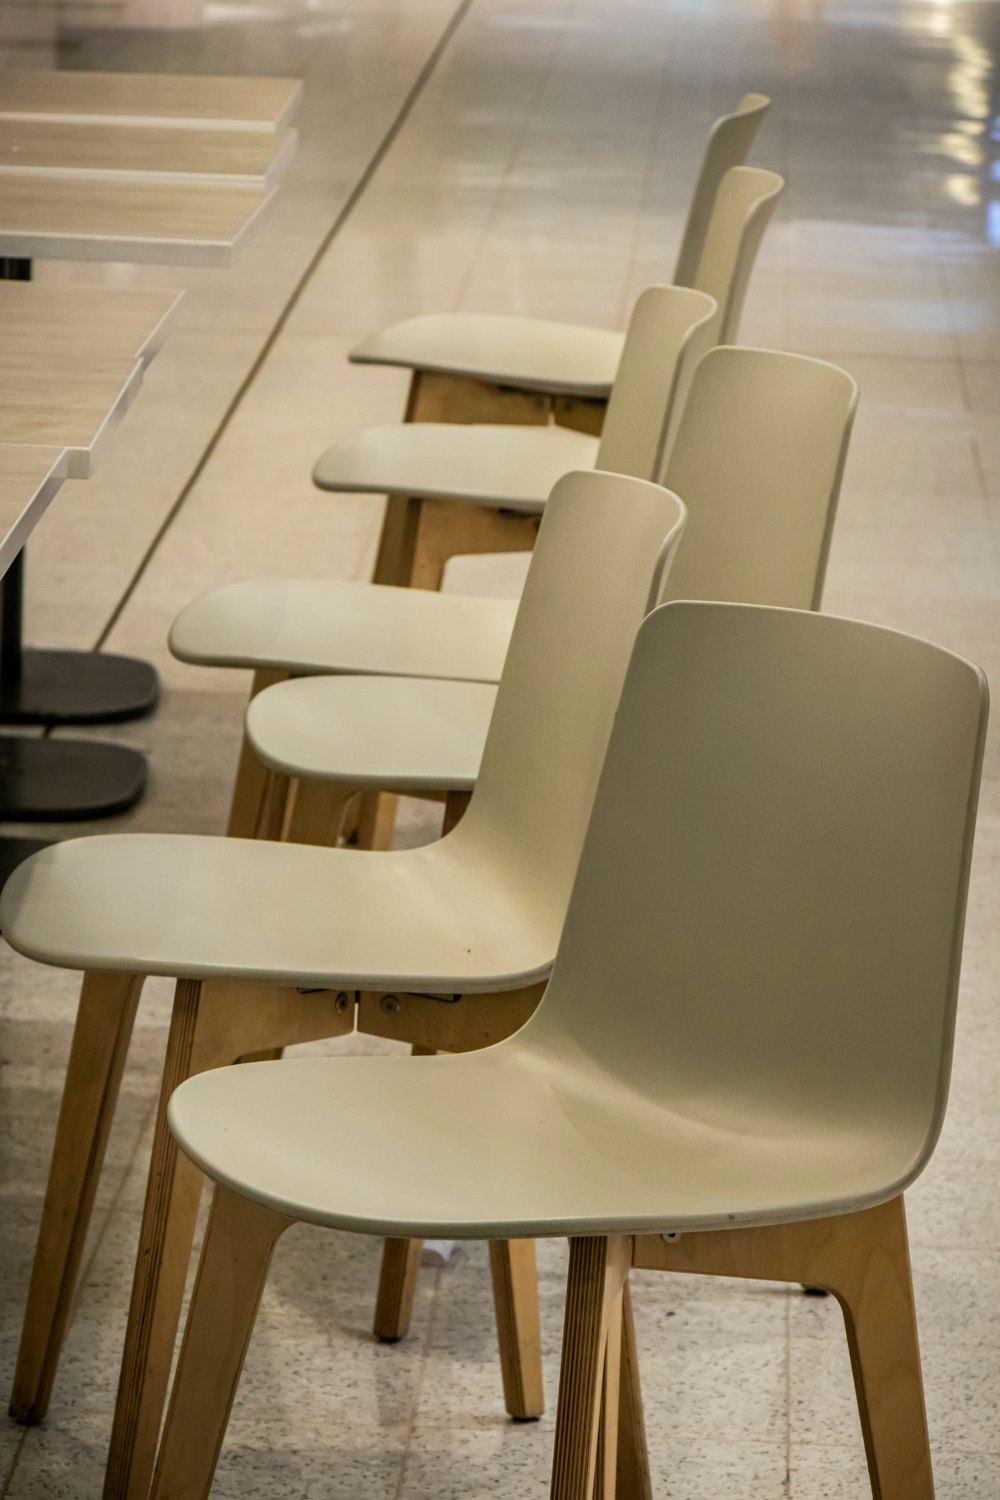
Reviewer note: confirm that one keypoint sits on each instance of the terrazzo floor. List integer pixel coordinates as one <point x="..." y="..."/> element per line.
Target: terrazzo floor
<point x="533" y="156"/>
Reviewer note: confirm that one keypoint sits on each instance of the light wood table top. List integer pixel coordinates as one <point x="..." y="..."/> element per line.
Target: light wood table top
<point x="67" y="148"/>
<point x="71" y="363"/>
<point x="151" y="99"/>
<point x="62" y="324"/>
<point x="171" y="223"/>
<point x="29" y="477"/>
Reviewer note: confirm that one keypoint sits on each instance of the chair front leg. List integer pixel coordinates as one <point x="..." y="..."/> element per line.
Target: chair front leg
<point x="515" y="1298"/>
<point x="252" y="808"/>
<point x="397" y="1286"/>
<point x="587" y="1415"/>
<point x="239" y="1242"/>
<point x="93" y="1077"/>
<point x="212" y="1024"/>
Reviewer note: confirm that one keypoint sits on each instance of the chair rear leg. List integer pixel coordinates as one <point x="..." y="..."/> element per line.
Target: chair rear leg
<point x="100" y="1042"/>
<point x="239" y="1242"/>
<point x="587" y="1417"/>
<point x="873" y="1285"/>
<point x="515" y="1297"/>
<point x="633" y="1480"/>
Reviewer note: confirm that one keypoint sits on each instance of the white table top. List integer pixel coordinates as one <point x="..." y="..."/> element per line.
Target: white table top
<point x="253" y="158"/>
<point x="29" y="477"/>
<point x="149" y="219"/>
<point x="71" y="362"/>
<point x="151" y="99"/>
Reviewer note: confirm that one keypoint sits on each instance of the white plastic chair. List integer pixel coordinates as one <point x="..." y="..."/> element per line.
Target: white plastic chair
<point x="470" y="362"/>
<point x="747" y="1031"/>
<point x="292" y="625"/>
<point x="477" y="487"/>
<point x="271" y="942"/>
<point x="758" y="458"/>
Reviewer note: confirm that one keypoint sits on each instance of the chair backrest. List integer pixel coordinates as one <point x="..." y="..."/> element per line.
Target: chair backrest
<point x="728" y="145"/>
<point x="740" y="214"/>
<point x="585" y="594"/>
<point x="758" y="460"/>
<point x="671" y="327"/>
<point x="771" y="894"/>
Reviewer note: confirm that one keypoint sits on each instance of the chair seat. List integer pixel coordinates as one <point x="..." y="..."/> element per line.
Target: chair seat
<point x="320" y="625"/>
<point x="535" y="354"/>
<point x="508" y="1142"/>
<point x="394" y="733"/>
<point x="287" y="913"/>
<point x="513" y="468"/>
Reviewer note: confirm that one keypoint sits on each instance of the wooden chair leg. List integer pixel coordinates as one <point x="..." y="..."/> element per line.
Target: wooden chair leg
<point x="396" y="1289"/>
<point x="455" y="805"/>
<point x="448" y="528"/>
<point x="239" y="1242"/>
<point x="515" y="1297"/>
<point x="863" y="1260"/>
<point x="875" y="1292"/>
<point x="436" y="397"/>
<point x="316" y="811"/>
<point x="397" y="1282"/>
<point x="251" y="786"/>
<point x="606" y="1466"/>
<point x="633" y="1480"/>
<point x="581" y="415"/>
<point x="586" y="1419"/>
<point x="100" y="1042"/>
<point x="212" y="1024"/>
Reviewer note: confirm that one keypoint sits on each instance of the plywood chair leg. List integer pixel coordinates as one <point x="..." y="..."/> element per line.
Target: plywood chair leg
<point x="251" y="785"/>
<point x="375" y="822"/>
<point x="396" y="1289"/>
<point x="598" y="1272"/>
<point x="212" y="1024"/>
<point x="316" y="812"/>
<point x="580" y="414"/>
<point x="606" y="1466"/>
<point x="515" y="1297"/>
<point x="239" y="1242"/>
<point x="397" y="1283"/>
<point x="437" y="397"/>
<point x="863" y="1259"/>
<point x="633" y="1480"/>
<point x="455" y="804"/>
<point x="875" y="1292"/>
<point x="448" y="528"/>
<point x="100" y="1042"/>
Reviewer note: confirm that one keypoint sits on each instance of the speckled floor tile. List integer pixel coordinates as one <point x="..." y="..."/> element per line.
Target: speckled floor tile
<point x="543" y="168"/>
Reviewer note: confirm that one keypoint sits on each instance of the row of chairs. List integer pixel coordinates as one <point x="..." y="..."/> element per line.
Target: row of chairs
<point x="743" y="836"/>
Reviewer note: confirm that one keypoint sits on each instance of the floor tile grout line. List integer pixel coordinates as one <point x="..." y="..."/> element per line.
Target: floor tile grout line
<point x="353" y="199"/>
<point x="418" y="1392"/>
<point x="8" y="1478"/>
<point x="513" y="157"/>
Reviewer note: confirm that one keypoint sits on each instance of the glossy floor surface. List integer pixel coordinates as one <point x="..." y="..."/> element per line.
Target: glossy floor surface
<point x="533" y="157"/>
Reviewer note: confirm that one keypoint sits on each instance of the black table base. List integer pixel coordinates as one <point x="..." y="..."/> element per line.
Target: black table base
<point x="14" y="852"/>
<point x="77" y="687"/>
<point x="56" y="781"/>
